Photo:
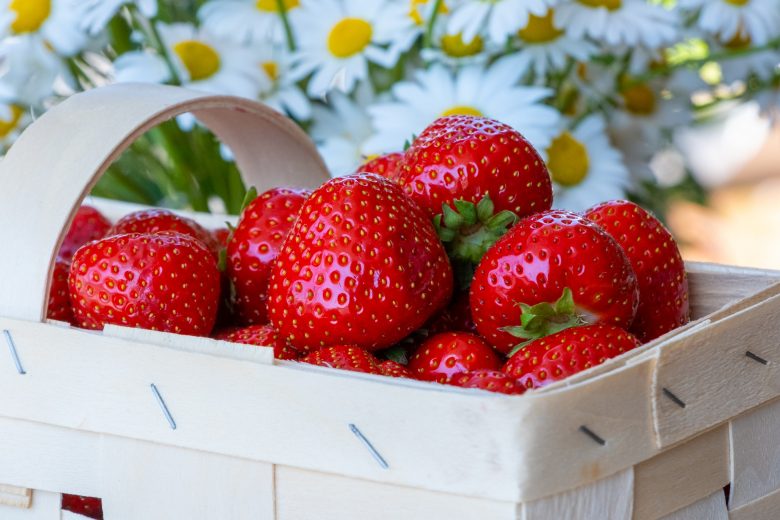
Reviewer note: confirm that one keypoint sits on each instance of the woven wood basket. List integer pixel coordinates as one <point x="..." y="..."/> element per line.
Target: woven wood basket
<point x="166" y="426"/>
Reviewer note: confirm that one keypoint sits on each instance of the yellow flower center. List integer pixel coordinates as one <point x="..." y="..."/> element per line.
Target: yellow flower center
<point x="8" y="125"/>
<point x="30" y="14"/>
<point x="540" y="29"/>
<point x="349" y="37"/>
<point x="271" y="6"/>
<point x="453" y="45"/>
<point x="639" y="99"/>
<point x="461" y="110"/>
<point x="271" y="69"/>
<point x="417" y="16"/>
<point x="737" y="2"/>
<point x="739" y="41"/>
<point x="568" y="160"/>
<point x="612" y="5"/>
<point x="200" y="59"/>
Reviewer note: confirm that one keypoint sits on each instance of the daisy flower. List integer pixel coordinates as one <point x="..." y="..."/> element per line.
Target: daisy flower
<point x="758" y="20"/>
<point x="616" y="22"/>
<point x="52" y="20"/>
<point x="544" y="46"/>
<point x="13" y="119"/>
<point x="337" y="39"/>
<point x="473" y="90"/>
<point x="202" y="62"/>
<point x="500" y="18"/>
<point x="763" y="64"/>
<point x="95" y="14"/>
<point x="276" y="88"/>
<point x="452" y="50"/>
<point x="415" y="15"/>
<point x="247" y="21"/>
<point x="585" y="167"/>
<point x="341" y="129"/>
<point x="31" y="70"/>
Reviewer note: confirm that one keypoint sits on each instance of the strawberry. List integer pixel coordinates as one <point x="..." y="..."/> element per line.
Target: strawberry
<point x="166" y="282"/>
<point x="567" y="352"/>
<point x="362" y="266"/>
<point x="90" y="507"/>
<point x="262" y="336"/>
<point x="156" y="220"/>
<point x="221" y="236"/>
<point x="491" y="380"/>
<point x="553" y="270"/>
<point x="385" y="165"/>
<point x="442" y="357"/>
<point x="659" y="267"/>
<point x="254" y="246"/>
<point x="344" y="357"/>
<point x="455" y="317"/>
<point x="88" y="225"/>
<point x="475" y="176"/>
<point x="59" y="296"/>
<point x="392" y="369"/>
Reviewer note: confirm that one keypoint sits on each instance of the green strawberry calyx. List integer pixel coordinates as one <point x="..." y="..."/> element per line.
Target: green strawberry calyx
<point x="469" y="229"/>
<point x="544" y="319"/>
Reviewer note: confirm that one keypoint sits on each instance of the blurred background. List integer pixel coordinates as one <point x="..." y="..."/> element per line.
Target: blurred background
<point x="671" y="103"/>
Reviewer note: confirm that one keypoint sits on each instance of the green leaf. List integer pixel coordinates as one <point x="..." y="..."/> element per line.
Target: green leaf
<point x="452" y="219"/>
<point x="545" y="318"/>
<point x="251" y="194"/>
<point x="222" y="262"/>
<point x="467" y="210"/>
<point x="485" y="208"/>
<point x="396" y="353"/>
<point x="501" y="221"/>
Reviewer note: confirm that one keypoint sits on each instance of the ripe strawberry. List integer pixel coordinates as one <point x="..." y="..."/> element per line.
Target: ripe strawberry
<point x="344" y="357"/>
<point x="491" y="380"/>
<point x="221" y="236"/>
<point x="156" y="220"/>
<point x="479" y="175"/>
<point x="254" y="247"/>
<point x="455" y="317"/>
<point x="90" y="507"/>
<point x="385" y="165"/>
<point x="59" y="297"/>
<point x="88" y="225"/>
<point x="442" y="357"/>
<point x="393" y="369"/>
<point x="166" y="282"/>
<point x="362" y="266"/>
<point x="262" y="336"/>
<point x="551" y="271"/>
<point x="567" y="352"/>
<point x="659" y="267"/>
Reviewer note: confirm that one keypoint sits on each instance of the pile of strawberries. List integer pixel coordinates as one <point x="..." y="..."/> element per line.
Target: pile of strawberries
<point x="443" y="263"/>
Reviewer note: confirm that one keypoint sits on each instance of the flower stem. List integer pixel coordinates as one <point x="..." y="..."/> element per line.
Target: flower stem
<point x="163" y="50"/>
<point x="428" y="38"/>
<point x="288" y="34"/>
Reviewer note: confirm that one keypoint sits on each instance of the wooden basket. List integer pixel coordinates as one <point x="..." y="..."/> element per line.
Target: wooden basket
<point x="167" y="426"/>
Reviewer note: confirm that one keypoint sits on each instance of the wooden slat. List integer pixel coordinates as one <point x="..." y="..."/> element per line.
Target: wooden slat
<point x="607" y="499"/>
<point x="44" y="506"/>
<point x="718" y="285"/>
<point x="682" y="475"/>
<point x="764" y="508"/>
<point x="305" y="495"/>
<point x="712" y="507"/>
<point x="755" y="449"/>
<point x="15" y="496"/>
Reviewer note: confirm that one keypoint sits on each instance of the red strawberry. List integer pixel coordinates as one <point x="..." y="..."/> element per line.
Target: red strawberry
<point x="659" y="267"/>
<point x="385" y="165"/>
<point x="551" y="271"/>
<point x="442" y="357"/>
<point x="362" y="266"/>
<point x="256" y="242"/>
<point x="167" y="282"/>
<point x="86" y="506"/>
<point x="567" y="352"/>
<point x="59" y="297"/>
<point x="156" y="220"/>
<point x="344" y="357"/>
<point x="88" y="225"/>
<point x="221" y="236"/>
<point x="393" y="369"/>
<point x="262" y="336"/>
<point x="470" y="168"/>
<point x="491" y="380"/>
<point x="455" y="317"/>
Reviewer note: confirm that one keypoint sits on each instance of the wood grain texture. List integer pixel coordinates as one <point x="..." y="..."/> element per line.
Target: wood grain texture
<point x="305" y="495"/>
<point x="44" y="506"/>
<point x="15" y="496"/>
<point x="606" y="499"/>
<point x="764" y="508"/>
<point x="718" y="285"/>
<point x="268" y="148"/>
<point x="755" y="452"/>
<point x="682" y="475"/>
<point x="712" y="507"/>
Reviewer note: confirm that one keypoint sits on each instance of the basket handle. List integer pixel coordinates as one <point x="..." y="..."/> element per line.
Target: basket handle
<point x="59" y="158"/>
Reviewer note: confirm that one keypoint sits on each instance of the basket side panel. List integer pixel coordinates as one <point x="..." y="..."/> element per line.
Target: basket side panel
<point x="755" y="444"/>
<point x="710" y="372"/>
<point x="44" y="506"/>
<point x="712" y="507"/>
<point x="713" y="286"/>
<point x="765" y="508"/>
<point x="682" y="475"/>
